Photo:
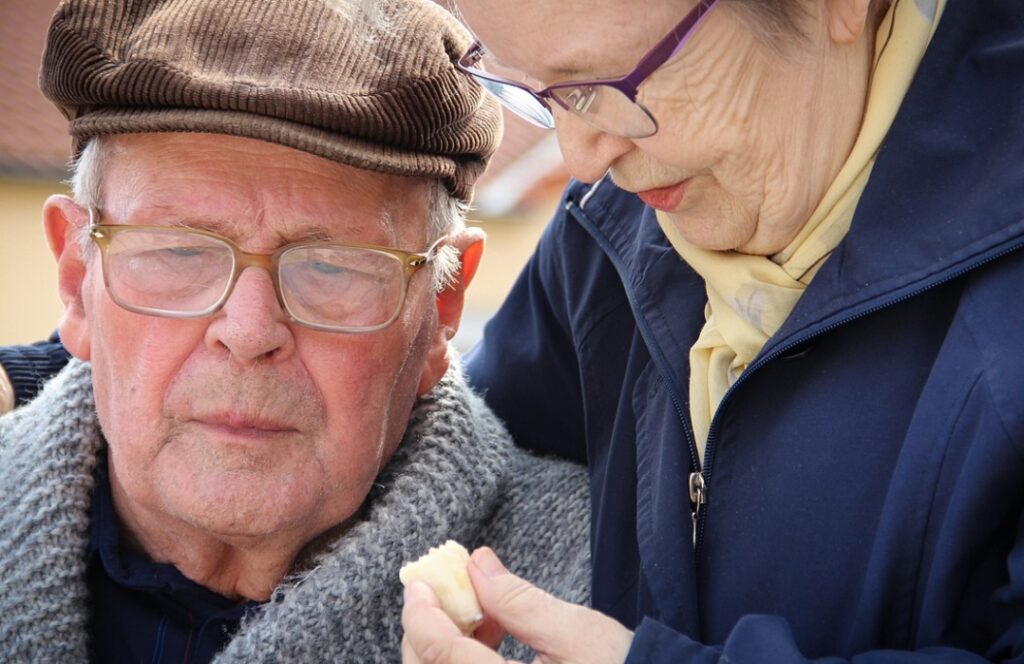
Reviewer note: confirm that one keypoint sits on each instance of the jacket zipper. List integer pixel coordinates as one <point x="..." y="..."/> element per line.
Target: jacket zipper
<point x="674" y="391"/>
<point x="698" y="497"/>
<point x="699" y="480"/>
<point x="697" y="483"/>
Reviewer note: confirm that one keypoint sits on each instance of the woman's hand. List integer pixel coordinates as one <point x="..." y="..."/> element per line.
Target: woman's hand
<point x="560" y="632"/>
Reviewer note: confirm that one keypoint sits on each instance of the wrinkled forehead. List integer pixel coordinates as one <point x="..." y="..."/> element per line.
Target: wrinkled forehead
<point x="258" y="193"/>
<point x="553" y="41"/>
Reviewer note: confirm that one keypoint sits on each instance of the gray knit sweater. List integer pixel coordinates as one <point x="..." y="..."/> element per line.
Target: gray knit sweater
<point x="456" y="475"/>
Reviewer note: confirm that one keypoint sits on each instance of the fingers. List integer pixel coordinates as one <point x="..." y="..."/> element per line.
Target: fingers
<point x="560" y="632"/>
<point x="490" y="633"/>
<point x="432" y="638"/>
<point x="557" y="630"/>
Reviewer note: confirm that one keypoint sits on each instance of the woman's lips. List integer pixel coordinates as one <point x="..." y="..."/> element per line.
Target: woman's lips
<point x="666" y="199"/>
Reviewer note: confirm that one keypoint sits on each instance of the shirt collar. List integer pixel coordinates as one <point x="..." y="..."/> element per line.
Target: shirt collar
<point x="134" y="570"/>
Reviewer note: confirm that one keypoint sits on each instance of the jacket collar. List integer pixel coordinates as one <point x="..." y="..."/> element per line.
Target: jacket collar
<point x="946" y="194"/>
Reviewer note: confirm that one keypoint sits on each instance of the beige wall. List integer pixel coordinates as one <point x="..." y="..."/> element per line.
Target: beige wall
<point x="29" y="306"/>
<point x="510" y="242"/>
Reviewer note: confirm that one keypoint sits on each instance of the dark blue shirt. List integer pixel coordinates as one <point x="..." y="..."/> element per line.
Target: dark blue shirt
<point x="144" y="611"/>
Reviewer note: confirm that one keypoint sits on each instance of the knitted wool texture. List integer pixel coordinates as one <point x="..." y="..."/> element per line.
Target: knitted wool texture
<point x="375" y="89"/>
<point x="455" y="475"/>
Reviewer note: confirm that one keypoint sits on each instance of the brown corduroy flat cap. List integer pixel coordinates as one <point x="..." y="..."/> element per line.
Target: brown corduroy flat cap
<point x="368" y="83"/>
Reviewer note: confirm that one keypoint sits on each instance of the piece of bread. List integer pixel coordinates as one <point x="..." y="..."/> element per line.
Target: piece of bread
<point x="443" y="568"/>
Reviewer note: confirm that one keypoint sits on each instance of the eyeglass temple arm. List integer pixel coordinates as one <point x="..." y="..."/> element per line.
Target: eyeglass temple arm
<point x="417" y="261"/>
<point x="472" y="56"/>
<point x="668" y="47"/>
<point x="433" y="249"/>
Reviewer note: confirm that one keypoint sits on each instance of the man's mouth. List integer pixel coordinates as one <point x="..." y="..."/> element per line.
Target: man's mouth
<point x="666" y="199"/>
<point x="238" y="424"/>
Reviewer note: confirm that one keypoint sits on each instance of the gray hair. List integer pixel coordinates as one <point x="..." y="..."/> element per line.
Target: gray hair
<point x="446" y="214"/>
<point x="373" y="20"/>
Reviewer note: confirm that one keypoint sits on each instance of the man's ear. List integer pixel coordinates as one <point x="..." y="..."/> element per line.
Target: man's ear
<point x="470" y="244"/>
<point x="846" y="19"/>
<point x="63" y="220"/>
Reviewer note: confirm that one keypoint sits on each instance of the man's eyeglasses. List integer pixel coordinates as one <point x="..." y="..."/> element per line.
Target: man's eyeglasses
<point x="607" y="104"/>
<point x="185" y="273"/>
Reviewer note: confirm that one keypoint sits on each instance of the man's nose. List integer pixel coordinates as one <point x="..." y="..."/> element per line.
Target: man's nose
<point x="588" y="152"/>
<point x="251" y="324"/>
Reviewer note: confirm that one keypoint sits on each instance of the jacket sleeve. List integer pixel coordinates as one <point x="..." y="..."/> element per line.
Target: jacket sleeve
<point x="526" y="366"/>
<point x="29" y="367"/>
<point x="766" y="639"/>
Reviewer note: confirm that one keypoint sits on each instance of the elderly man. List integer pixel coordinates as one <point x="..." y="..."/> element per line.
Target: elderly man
<point x="261" y="267"/>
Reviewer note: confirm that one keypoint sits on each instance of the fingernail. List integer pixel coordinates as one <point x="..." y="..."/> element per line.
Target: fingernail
<point x="416" y="590"/>
<point x="488" y="563"/>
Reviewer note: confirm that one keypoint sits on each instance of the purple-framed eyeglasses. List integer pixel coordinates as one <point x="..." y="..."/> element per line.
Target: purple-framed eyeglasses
<point x="607" y="104"/>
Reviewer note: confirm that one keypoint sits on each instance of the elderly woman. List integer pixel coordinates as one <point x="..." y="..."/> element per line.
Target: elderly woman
<point x="780" y="317"/>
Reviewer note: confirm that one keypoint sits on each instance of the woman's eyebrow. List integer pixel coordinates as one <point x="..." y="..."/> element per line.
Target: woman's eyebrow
<point x="565" y="72"/>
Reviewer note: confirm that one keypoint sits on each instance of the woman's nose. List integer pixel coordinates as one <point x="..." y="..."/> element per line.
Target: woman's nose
<point x="588" y="152"/>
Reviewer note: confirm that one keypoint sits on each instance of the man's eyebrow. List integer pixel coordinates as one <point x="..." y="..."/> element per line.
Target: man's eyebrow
<point x="191" y="221"/>
<point x="309" y="233"/>
<point x="238" y="230"/>
<point x="387" y="224"/>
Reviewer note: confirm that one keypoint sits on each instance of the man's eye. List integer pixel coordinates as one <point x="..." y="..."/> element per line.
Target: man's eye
<point x="325" y="268"/>
<point x="185" y="252"/>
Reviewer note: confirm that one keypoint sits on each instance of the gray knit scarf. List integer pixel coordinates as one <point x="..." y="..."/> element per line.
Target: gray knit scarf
<point x="455" y="475"/>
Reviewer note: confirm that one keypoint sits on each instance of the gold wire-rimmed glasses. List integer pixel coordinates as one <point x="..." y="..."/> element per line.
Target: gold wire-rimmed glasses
<point x="178" y="272"/>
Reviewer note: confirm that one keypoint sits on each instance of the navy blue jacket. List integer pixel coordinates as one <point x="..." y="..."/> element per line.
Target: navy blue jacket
<point x="865" y="477"/>
<point x="29" y="367"/>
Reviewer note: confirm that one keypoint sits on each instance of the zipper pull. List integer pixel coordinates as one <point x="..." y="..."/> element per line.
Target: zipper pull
<point x="698" y="496"/>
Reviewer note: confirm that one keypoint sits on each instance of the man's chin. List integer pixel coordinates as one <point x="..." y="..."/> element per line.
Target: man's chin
<point x="239" y="531"/>
<point x="244" y="504"/>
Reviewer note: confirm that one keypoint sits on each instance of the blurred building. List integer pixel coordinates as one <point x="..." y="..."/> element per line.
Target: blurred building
<point x="514" y="199"/>
<point x="33" y="150"/>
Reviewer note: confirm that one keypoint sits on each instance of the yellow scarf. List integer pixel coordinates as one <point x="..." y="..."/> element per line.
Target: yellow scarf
<point x="749" y="297"/>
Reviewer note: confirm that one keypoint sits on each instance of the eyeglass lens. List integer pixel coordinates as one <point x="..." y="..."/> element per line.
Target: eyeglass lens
<point x="178" y="273"/>
<point x="600" y="106"/>
<point x="521" y="102"/>
<point x="607" y="109"/>
<point x="341" y="286"/>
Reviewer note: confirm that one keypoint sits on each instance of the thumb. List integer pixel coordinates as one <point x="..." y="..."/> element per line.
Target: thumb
<point x="560" y="632"/>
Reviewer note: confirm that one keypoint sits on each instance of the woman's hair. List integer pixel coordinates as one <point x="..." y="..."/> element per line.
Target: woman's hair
<point x="446" y="213"/>
<point x="773" y="19"/>
<point x="777" y="20"/>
